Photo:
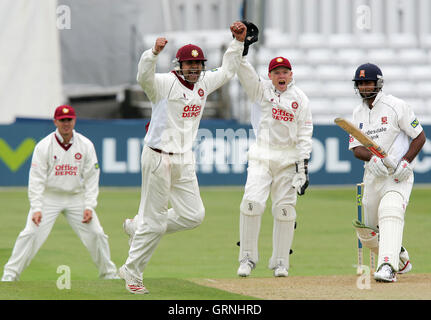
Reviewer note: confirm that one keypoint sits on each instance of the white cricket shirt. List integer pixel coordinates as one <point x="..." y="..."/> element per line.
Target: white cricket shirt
<point x="56" y="168"/>
<point x="280" y="120"/>
<point x="177" y="105"/>
<point x="391" y="123"/>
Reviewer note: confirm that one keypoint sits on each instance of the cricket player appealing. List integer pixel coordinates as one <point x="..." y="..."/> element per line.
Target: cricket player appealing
<point x="277" y="162"/>
<point x="168" y="174"/>
<point x="388" y="182"/>
<point x="64" y="177"/>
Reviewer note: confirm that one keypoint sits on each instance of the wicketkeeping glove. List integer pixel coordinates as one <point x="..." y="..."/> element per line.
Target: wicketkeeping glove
<point x="403" y="171"/>
<point x="300" y="179"/>
<point x="251" y="36"/>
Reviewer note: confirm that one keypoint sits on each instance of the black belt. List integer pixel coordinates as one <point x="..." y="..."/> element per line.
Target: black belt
<point x="160" y="151"/>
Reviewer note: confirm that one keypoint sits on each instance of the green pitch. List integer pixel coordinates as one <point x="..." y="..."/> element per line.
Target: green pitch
<point x="324" y="244"/>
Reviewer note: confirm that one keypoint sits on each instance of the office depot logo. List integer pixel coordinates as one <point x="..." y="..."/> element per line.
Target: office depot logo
<point x="282" y="115"/>
<point x="65" y="170"/>
<point x="191" y="111"/>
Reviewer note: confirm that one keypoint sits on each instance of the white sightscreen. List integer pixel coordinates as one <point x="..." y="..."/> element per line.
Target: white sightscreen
<point x="30" y="67"/>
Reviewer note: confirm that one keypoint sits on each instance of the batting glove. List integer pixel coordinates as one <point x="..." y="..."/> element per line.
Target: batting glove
<point x="377" y="167"/>
<point x="300" y="180"/>
<point x="390" y="162"/>
<point x="404" y="170"/>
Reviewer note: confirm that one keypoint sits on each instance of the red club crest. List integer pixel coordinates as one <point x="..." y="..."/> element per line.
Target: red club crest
<point x="294" y="105"/>
<point x="201" y="92"/>
<point x="78" y="156"/>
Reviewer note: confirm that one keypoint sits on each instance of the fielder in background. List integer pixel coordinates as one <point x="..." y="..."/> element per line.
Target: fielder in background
<point x="168" y="171"/>
<point x="388" y="182"/>
<point x="277" y="162"/>
<point x="64" y="177"/>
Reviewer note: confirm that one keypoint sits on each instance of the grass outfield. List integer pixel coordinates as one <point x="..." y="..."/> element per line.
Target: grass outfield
<point x="324" y="244"/>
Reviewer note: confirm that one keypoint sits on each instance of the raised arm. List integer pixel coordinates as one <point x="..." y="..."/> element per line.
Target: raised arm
<point x="214" y="79"/>
<point x="250" y="80"/>
<point x="146" y="76"/>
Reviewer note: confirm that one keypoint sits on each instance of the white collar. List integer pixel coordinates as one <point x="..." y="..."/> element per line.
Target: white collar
<point x="60" y="138"/>
<point x="378" y="97"/>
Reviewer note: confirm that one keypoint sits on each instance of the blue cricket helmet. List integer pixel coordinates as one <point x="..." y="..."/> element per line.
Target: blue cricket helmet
<point x="369" y="72"/>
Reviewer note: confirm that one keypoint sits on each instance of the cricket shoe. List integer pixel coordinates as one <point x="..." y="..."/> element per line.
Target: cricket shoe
<point x="385" y="274"/>
<point x="128" y="229"/>
<point x="133" y="285"/>
<point x="281" y="271"/>
<point x="245" y="267"/>
<point x="8" y="278"/>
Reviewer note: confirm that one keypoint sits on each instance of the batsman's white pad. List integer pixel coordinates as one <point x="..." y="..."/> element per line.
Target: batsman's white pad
<point x="249" y="228"/>
<point x="282" y="235"/>
<point x="369" y="236"/>
<point x="391" y="225"/>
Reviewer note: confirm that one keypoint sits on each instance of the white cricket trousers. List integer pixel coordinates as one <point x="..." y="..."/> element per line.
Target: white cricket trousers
<point x="265" y="177"/>
<point x="165" y="179"/>
<point x="32" y="237"/>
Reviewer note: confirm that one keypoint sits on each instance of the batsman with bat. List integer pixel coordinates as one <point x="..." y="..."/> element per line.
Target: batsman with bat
<point x="277" y="162"/>
<point x="388" y="179"/>
<point x="168" y="173"/>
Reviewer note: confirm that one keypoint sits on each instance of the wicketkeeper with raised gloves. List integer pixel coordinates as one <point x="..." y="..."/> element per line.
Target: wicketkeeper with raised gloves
<point x="277" y="162"/>
<point x="388" y="182"/>
<point x="168" y="170"/>
<point x="64" y="178"/>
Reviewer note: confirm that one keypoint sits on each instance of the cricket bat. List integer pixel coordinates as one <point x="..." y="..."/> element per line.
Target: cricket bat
<point x="366" y="141"/>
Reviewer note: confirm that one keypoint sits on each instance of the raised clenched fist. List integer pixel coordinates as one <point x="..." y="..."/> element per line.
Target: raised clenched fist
<point x="159" y="45"/>
<point x="239" y="30"/>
